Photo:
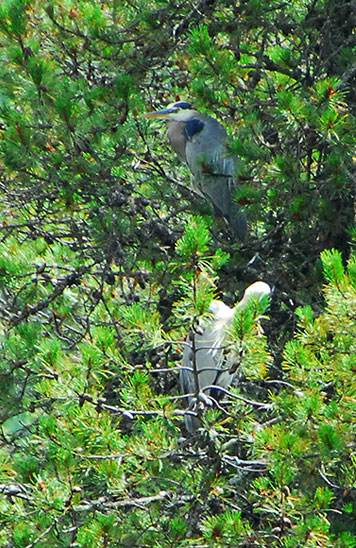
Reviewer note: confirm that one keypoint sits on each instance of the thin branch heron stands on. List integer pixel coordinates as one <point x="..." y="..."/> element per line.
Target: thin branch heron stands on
<point x="204" y="362"/>
<point x="200" y="141"/>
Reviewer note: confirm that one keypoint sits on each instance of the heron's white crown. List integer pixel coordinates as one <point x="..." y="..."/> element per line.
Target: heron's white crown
<point x="179" y="111"/>
<point x="182" y="115"/>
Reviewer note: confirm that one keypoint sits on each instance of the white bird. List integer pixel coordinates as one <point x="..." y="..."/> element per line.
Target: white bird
<point x="205" y="362"/>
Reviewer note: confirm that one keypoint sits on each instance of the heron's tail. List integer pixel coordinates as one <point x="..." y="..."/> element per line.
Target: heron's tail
<point x="237" y="221"/>
<point x="219" y="190"/>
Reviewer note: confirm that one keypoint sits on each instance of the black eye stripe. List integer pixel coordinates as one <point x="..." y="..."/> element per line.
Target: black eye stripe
<point x="183" y="105"/>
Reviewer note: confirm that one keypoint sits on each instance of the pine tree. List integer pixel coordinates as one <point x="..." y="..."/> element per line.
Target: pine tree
<point x="107" y="259"/>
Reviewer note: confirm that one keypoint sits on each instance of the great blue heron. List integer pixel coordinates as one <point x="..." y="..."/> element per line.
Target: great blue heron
<point x="200" y="141"/>
<point x="205" y="360"/>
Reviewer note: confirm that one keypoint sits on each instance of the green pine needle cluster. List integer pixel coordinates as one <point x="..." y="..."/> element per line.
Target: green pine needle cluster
<point x="108" y="259"/>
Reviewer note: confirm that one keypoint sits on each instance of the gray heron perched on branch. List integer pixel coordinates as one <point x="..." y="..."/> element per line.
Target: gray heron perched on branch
<point x="201" y="142"/>
<point x="206" y="362"/>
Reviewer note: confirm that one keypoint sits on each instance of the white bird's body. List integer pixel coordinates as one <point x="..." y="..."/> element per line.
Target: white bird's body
<point x="206" y="361"/>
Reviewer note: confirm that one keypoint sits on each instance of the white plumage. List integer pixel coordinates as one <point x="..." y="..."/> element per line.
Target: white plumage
<point x="204" y="361"/>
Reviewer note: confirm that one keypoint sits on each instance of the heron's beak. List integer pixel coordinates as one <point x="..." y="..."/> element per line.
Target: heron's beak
<point x="159" y="113"/>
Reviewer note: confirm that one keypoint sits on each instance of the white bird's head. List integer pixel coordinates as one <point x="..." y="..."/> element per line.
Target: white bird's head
<point x="257" y="290"/>
<point x="181" y="111"/>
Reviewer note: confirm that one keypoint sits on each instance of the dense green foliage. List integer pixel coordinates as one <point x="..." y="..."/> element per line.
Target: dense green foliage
<point x="107" y="258"/>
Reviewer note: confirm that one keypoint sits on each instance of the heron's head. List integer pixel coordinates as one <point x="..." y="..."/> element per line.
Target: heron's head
<point x="257" y="291"/>
<point x="178" y="112"/>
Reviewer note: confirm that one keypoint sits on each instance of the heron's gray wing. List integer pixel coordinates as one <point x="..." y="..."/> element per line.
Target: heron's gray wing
<point x="187" y="386"/>
<point x="186" y="375"/>
<point x="207" y="367"/>
<point x="220" y="192"/>
<point x="206" y="361"/>
<point x="213" y="171"/>
<point x="205" y="148"/>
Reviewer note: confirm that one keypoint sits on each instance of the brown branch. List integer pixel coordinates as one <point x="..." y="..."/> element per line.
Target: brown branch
<point x="103" y="502"/>
<point x="68" y="281"/>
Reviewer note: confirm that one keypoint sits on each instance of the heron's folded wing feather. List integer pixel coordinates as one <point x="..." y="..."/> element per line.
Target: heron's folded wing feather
<point x="213" y="172"/>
